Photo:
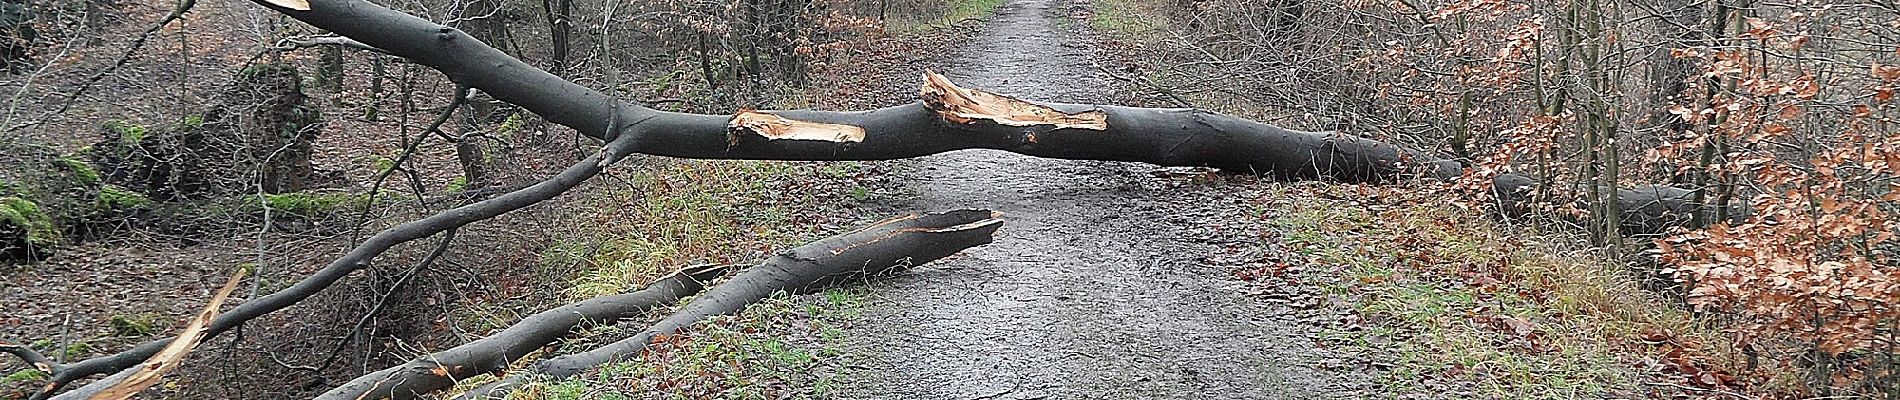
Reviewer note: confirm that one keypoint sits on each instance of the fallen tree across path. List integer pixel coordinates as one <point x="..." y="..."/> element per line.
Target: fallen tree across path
<point x="947" y="117"/>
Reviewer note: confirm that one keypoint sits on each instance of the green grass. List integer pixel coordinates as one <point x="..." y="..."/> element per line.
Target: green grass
<point x="1441" y="282"/>
<point x="667" y="214"/>
<point x="768" y="351"/>
<point x="1134" y="20"/>
<point x="689" y="213"/>
<point x="953" y="11"/>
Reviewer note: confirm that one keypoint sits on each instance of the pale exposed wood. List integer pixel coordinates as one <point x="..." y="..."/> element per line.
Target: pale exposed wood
<point x="775" y="127"/>
<point x="174" y="354"/>
<point x="963" y="106"/>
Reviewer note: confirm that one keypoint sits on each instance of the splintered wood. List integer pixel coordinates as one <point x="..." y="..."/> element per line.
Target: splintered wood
<point x="173" y="355"/>
<point x="962" y="106"/>
<point x="775" y="127"/>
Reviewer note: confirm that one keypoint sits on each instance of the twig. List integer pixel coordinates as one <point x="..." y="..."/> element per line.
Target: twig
<point x="1697" y="389"/>
<point x="184" y="6"/>
<point x="336" y="351"/>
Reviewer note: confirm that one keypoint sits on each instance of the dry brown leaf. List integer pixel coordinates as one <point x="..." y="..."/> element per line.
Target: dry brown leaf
<point x="171" y="356"/>
<point x="1519" y="326"/>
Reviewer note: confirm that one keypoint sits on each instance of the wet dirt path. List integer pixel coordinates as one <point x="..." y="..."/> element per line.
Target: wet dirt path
<point x="1105" y="282"/>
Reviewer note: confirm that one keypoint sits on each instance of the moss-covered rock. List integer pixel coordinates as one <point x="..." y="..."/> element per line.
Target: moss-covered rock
<point x="259" y="135"/>
<point x="307" y="204"/>
<point x="24" y="213"/>
<point x="81" y="172"/>
<point x="26" y="231"/>
<point x="114" y="202"/>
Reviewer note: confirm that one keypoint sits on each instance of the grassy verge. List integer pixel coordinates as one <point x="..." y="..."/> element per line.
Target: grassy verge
<point x="783" y="347"/>
<point x="670" y="213"/>
<point x="1128" y="20"/>
<point x="952" y="12"/>
<point x="1454" y="304"/>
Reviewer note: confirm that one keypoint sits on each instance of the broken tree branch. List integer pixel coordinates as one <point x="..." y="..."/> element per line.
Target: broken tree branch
<point x="493" y="353"/>
<point x="172" y="356"/>
<point x="32" y="357"/>
<point x="879" y="249"/>
<point x="358" y="258"/>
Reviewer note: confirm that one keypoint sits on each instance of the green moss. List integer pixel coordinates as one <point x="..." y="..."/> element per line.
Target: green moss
<point x="22" y="376"/>
<point x="82" y="172"/>
<point x="310" y="204"/>
<point x="24" y="214"/>
<point x="509" y="126"/>
<point x="460" y="182"/>
<point x="133" y="325"/>
<point x="129" y="133"/>
<point x="76" y="351"/>
<point x="382" y="164"/>
<point x="113" y="199"/>
<point x="192" y="121"/>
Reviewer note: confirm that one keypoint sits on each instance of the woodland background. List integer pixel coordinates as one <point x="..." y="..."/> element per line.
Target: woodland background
<point x="150" y="149"/>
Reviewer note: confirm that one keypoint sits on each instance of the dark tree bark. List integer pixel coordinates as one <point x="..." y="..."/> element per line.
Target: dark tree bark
<point x="493" y="353"/>
<point x="949" y="118"/>
<point x="883" y="247"/>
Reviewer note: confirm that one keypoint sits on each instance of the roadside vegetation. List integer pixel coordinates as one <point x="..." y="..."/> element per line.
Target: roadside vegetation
<point x="1788" y="294"/>
<point x="1448" y="302"/>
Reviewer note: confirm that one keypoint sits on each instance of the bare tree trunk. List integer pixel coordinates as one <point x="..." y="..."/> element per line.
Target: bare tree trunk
<point x="558" y="29"/>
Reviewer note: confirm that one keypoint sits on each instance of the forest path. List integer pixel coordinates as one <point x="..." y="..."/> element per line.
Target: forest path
<point x="1105" y="282"/>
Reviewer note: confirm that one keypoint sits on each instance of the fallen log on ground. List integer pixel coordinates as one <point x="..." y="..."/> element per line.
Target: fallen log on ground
<point x="442" y="369"/>
<point x="947" y="117"/>
<point x="884" y="247"/>
<point x="1645" y="209"/>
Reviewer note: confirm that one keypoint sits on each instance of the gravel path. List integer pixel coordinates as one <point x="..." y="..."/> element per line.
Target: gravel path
<point x="1106" y="281"/>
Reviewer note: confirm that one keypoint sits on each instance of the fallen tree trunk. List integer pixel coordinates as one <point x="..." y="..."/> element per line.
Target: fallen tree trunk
<point x="947" y="118"/>
<point x="890" y="245"/>
<point x="1647" y="210"/>
<point x="493" y="353"/>
<point x="950" y="118"/>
